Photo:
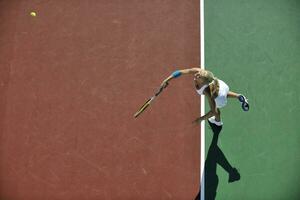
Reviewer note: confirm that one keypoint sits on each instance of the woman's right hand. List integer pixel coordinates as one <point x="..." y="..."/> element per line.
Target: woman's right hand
<point x="164" y="84"/>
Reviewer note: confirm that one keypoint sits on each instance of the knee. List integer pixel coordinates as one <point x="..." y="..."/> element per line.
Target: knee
<point x="217" y="112"/>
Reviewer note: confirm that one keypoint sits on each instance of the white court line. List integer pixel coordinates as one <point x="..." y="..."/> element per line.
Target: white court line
<point x="202" y="106"/>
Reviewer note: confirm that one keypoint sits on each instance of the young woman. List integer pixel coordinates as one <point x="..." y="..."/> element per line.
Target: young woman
<point x="215" y="90"/>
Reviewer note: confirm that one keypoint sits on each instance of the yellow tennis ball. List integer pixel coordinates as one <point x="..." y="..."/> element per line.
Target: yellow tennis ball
<point x="33" y="14"/>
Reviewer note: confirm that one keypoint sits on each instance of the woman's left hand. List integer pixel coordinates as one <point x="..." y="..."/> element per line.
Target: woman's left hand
<point x="198" y="120"/>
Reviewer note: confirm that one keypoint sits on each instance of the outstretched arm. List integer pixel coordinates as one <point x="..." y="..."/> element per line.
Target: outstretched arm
<point x="178" y="73"/>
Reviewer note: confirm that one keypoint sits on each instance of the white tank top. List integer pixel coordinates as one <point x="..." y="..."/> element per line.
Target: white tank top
<point x="221" y="99"/>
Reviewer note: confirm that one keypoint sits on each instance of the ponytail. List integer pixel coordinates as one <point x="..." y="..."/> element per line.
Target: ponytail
<point x="215" y="86"/>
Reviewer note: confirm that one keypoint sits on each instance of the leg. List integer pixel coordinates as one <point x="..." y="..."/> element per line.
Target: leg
<point x="216" y="119"/>
<point x="241" y="98"/>
<point x="218" y="115"/>
<point x="233" y="95"/>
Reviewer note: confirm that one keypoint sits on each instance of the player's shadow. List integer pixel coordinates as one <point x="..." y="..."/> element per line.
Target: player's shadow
<point x="216" y="156"/>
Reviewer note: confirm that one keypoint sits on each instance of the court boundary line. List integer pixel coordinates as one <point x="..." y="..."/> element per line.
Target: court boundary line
<point x="202" y="106"/>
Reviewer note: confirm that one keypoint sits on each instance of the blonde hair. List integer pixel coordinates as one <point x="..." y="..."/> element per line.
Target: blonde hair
<point x="214" y="87"/>
<point x="212" y="81"/>
<point x="207" y="76"/>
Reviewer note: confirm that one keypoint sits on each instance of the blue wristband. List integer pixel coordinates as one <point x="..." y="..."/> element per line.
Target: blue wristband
<point x="176" y="74"/>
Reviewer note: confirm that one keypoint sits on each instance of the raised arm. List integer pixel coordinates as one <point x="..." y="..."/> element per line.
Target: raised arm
<point x="178" y="73"/>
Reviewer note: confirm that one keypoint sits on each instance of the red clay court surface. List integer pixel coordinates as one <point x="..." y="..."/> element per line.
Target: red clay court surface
<point x="71" y="80"/>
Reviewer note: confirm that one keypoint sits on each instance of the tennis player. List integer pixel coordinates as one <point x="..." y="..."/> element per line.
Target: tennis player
<point x="216" y="91"/>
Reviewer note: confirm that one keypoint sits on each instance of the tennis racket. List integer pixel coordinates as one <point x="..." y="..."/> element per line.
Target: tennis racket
<point x="148" y="102"/>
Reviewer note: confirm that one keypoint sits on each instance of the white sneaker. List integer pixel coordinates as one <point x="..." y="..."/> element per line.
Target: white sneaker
<point x="213" y="120"/>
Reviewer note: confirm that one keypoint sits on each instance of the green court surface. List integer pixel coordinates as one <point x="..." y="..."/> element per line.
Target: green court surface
<point x="254" y="46"/>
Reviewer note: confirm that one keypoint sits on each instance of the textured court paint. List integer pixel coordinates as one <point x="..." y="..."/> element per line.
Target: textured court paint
<point x="71" y="80"/>
<point x="255" y="47"/>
